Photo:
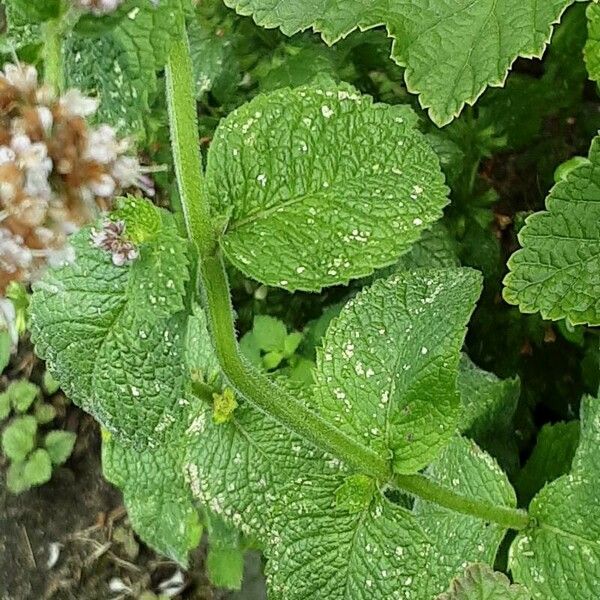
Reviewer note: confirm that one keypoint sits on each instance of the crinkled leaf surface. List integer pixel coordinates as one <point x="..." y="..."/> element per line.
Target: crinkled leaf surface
<point x="119" y="66"/>
<point x="468" y="470"/>
<point x="387" y="371"/>
<point x="592" y="46"/>
<point x="480" y="582"/>
<point x="560" y="557"/>
<point x="114" y="339"/>
<point x="452" y="49"/>
<point x="154" y="482"/>
<point x="488" y="403"/>
<point x="321" y="186"/>
<point x="436" y="249"/>
<point x="273" y="486"/>
<point x="557" y="272"/>
<point x="159" y="502"/>
<point x="329" y="553"/>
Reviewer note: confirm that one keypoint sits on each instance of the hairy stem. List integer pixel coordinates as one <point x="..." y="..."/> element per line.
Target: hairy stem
<point x="265" y="394"/>
<point x="426" y="489"/>
<point x="184" y="140"/>
<point x="253" y="385"/>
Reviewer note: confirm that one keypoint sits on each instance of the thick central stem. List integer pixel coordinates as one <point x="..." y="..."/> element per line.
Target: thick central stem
<point x="253" y="385"/>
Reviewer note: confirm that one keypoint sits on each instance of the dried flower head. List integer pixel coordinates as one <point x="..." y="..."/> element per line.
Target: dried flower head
<point x="56" y="172"/>
<point x="112" y="239"/>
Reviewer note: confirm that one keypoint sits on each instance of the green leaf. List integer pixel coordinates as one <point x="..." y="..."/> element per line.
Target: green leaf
<point x="551" y="458"/>
<point x="22" y="394"/>
<point x="120" y="352"/>
<point x="479" y="582"/>
<point x="216" y="67"/>
<point x="44" y="413"/>
<point x="5" y="349"/>
<point x="158" y="499"/>
<point x="156" y="483"/>
<point x="291" y="343"/>
<point x="25" y="11"/>
<point x="38" y="468"/>
<point x="436" y="249"/>
<point x="225" y="567"/>
<point x="59" y="445"/>
<point x="18" y="439"/>
<point x="224" y="406"/>
<point x="119" y="65"/>
<point x="459" y="538"/>
<point x="560" y="557"/>
<point x="4" y="405"/>
<point x="557" y="272"/>
<point x="488" y="403"/>
<point x="387" y="371"/>
<point x="592" y="46"/>
<point x="250" y="349"/>
<point x="199" y="353"/>
<point x="378" y="552"/>
<point x="15" y="480"/>
<point x="272" y="360"/>
<point x="18" y="34"/>
<point x="356" y="493"/>
<point x="316" y="190"/>
<point x="269" y="333"/>
<point x="451" y="50"/>
<point x="51" y="386"/>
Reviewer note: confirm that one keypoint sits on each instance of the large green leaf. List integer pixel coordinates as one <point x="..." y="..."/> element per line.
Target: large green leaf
<point x="319" y="186"/>
<point x="113" y="336"/>
<point x="387" y="371"/>
<point x="557" y="272"/>
<point x="154" y="482"/>
<point x="559" y="556"/>
<point x="452" y="49"/>
<point x="330" y="553"/>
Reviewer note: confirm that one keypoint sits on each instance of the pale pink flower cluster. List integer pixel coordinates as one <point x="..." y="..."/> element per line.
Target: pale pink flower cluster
<point x="111" y="238"/>
<point x="98" y="7"/>
<point x="56" y="172"/>
<point x="102" y="7"/>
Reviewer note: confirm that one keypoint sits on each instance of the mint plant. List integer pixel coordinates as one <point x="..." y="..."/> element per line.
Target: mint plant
<point x="387" y="470"/>
<point x="32" y="452"/>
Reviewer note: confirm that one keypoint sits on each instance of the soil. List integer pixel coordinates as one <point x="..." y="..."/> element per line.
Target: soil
<point x="70" y="540"/>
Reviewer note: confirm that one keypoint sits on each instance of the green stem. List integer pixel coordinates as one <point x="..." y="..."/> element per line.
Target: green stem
<point x="258" y="389"/>
<point x="266" y="395"/>
<point x="184" y="140"/>
<point x="426" y="489"/>
<point x="53" y="60"/>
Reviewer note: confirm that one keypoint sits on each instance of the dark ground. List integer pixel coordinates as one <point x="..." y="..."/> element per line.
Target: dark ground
<point x="80" y="516"/>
